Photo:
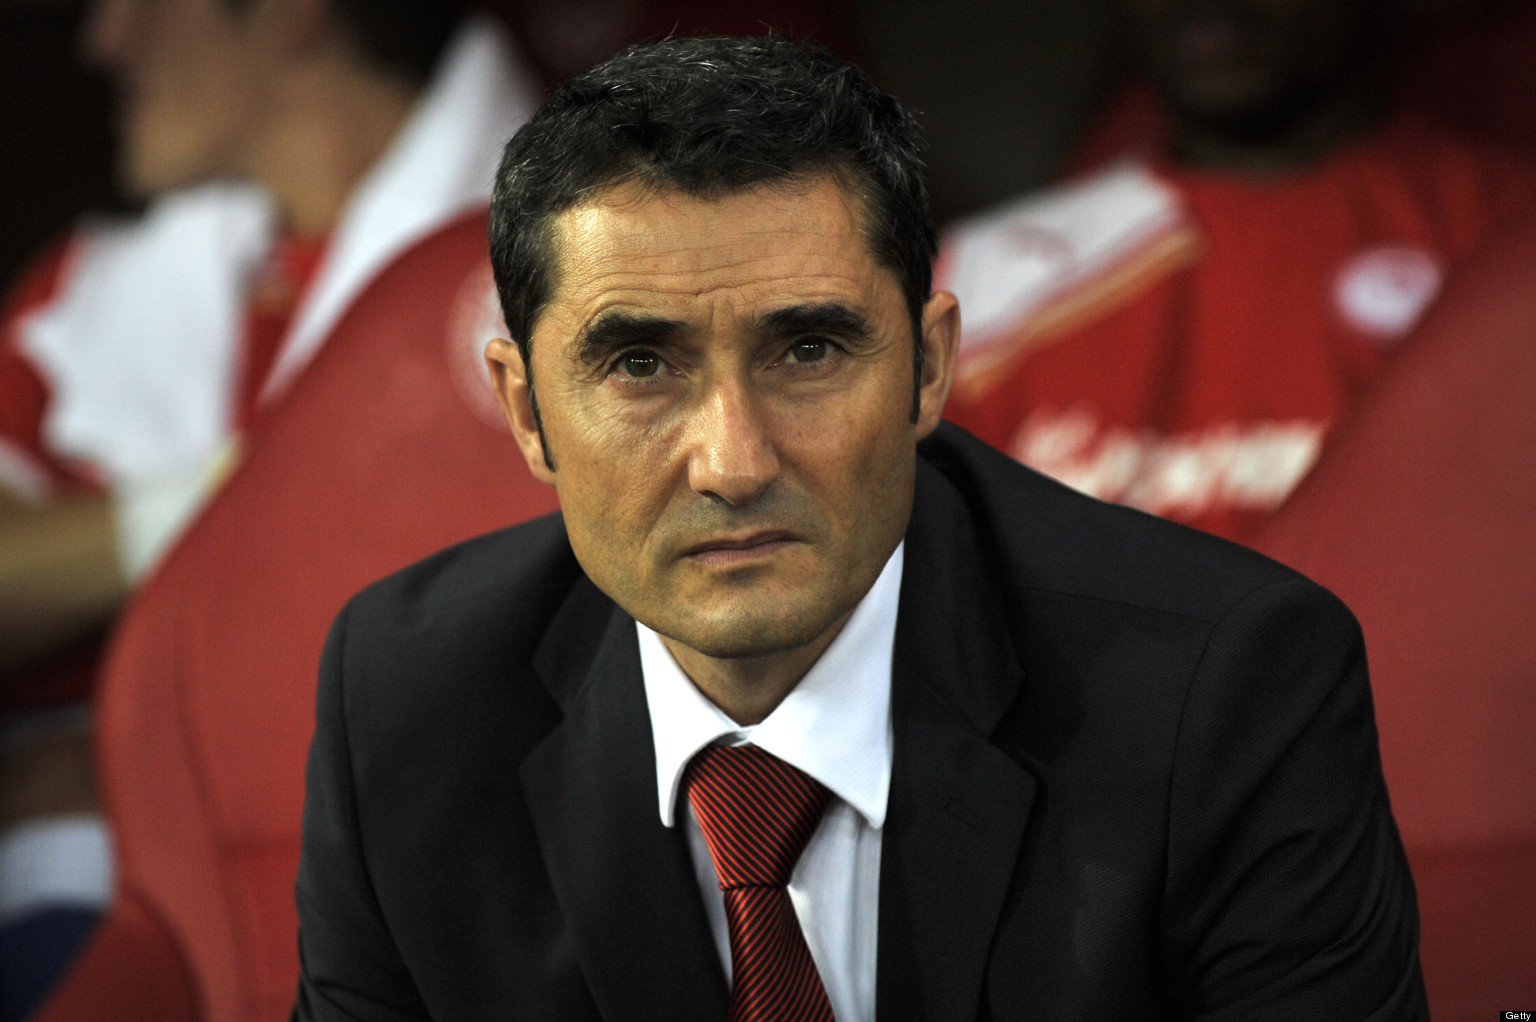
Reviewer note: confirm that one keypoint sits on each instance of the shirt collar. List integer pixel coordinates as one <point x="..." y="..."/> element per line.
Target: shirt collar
<point x="835" y="724"/>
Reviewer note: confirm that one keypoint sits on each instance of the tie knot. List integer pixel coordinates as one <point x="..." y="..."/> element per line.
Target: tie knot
<point x="756" y="811"/>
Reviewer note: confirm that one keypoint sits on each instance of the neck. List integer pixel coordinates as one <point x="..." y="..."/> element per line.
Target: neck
<point x="334" y="121"/>
<point x="1284" y="138"/>
<point x="748" y="690"/>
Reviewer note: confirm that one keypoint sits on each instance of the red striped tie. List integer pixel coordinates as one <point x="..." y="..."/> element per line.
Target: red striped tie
<point x="757" y="812"/>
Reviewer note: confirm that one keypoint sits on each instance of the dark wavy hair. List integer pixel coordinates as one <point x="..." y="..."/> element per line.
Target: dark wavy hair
<point x="708" y="116"/>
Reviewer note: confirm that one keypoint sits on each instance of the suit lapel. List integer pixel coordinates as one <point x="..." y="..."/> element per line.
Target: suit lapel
<point x="958" y="804"/>
<point x="624" y="881"/>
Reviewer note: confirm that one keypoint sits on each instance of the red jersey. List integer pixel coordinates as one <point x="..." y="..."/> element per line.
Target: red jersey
<point x="1182" y="339"/>
<point x="28" y="465"/>
<point x="31" y="469"/>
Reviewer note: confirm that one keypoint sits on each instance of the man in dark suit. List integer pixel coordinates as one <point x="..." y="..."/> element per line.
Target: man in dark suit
<point x="808" y="706"/>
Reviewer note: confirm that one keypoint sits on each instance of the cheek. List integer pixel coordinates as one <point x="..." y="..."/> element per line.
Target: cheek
<point x="607" y="439"/>
<point x="194" y="103"/>
<point x="859" y="454"/>
<point x="612" y="477"/>
<point x="599" y="526"/>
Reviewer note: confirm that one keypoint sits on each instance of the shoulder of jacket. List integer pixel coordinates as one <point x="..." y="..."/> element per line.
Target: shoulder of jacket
<point x="1049" y="539"/>
<point x="512" y="565"/>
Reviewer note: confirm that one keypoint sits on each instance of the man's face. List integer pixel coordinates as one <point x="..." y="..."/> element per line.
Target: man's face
<point x="726" y="392"/>
<point x="189" y="76"/>
<point x="1230" y="60"/>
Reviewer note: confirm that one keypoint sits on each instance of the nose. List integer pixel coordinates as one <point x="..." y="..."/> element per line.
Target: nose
<point x="732" y="457"/>
<point x="104" y="32"/>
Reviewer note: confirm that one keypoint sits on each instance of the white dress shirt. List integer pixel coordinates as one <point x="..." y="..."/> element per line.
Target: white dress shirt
<point x="836" y="726"/>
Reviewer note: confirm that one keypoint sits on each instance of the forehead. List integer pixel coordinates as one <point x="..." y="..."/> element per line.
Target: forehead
<point x="637" y="244"/>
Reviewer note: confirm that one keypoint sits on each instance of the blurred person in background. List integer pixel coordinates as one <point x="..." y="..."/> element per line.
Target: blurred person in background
<point x="288" y="149"/>
<point x="1419" y="515"/>
<point x="1178" y="328"/>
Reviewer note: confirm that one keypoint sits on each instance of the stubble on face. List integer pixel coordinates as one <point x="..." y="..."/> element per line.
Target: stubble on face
<point x="726" y="387"/>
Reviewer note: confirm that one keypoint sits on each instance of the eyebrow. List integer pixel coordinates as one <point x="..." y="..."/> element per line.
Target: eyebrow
<point x="614" y="330"/>
<point x="815" y="318"/>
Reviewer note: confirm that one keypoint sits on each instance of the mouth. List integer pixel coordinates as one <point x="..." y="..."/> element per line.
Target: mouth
<point x="731" y="550"/>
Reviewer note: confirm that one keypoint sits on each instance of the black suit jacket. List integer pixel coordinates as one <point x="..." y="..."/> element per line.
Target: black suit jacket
<point x="1135" y="777"/>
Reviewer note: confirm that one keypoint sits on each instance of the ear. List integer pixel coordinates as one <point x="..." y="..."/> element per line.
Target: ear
<point x="941" y="339"/>
<point x="510" y="376"/>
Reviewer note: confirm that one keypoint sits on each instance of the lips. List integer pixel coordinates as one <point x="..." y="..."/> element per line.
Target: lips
<point x="750" y="542"/>
<point x="730" y="550"/>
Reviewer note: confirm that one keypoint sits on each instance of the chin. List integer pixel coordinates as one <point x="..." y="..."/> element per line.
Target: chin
<point x="151" y="164"/>
<point x="142" y="180"/>
<point x="1222" y="98"/>
<point x="746" y="636"/>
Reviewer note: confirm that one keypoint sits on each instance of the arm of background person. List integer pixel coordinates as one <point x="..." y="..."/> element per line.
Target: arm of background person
<point x="68" y="562"/>
<point x="61" y="578"/>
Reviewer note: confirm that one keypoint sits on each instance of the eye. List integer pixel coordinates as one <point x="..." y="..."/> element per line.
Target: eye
<point x="638" y="364"/>
<point x="811" y="349"/>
